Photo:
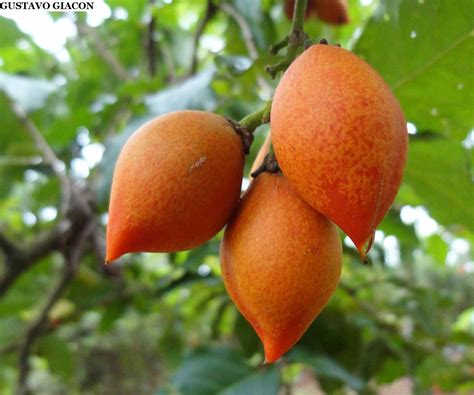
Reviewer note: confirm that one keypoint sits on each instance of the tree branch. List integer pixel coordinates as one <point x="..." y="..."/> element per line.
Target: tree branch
<point x="168" y="60"/>
<point x="151" y="45"/>
<point x="248" y="40"/>
<point x="120" y="117"/>
<point x="46" y="152"/>
<point x="209" y="13"/>
<point x="72" y="255"/>
<point x="20" y="259"/>
<point x="20" y="161"/>
<point x="295" y="40"/>
<point x="104" y="52"/>
<point x="7" y="246"/>
<point x="244" y="27"/>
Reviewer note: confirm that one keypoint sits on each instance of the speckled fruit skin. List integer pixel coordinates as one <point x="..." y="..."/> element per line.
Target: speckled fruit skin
<point x="176" y="183"/>
<point x="340" y="137"/>
<point x="281" y="262"/>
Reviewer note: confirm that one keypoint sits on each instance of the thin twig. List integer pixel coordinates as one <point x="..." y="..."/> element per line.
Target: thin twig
<point x="46" y="152"/>
<point x="295" y="40"/>
<point x="9" y="348"/>
<point x="248" y="40"/>
<point x="20" y="259"/>
<point x="120" y="117"/>
<point x="103" y="51"/>
<point x="73" y="257"/>
<point x="168" y="60"/>
<point x="209" y="13"/>
<point x="151" y="45"/>
<point x="20" y="161"/>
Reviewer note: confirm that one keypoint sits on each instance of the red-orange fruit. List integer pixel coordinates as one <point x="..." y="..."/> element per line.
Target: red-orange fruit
<point x="340" y="137"/>
<point x="334" y="12"/>
<point x="176" y="183"/>
<point x="281" y="262"/>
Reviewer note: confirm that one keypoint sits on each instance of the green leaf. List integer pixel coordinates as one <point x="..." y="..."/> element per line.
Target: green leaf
<point x="208" y="371"/>
<point x="248" y="339"/>
<point x="465" y="322"/>
<point x="10" y="32"/>
<point x="438" y="171"/>
<point x="437" y="248"/>
<point x="328" y="367"/>
<point x="424" y="50"/>
<point x="194" y="93"/>
<point x="262" y="383"/>
<point x="58" y="354"/>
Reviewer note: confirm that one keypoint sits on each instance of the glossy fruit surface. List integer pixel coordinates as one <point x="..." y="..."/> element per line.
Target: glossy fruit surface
<point x="176" y="183"/>
<point x="340" y="137"/>
<point x="281" y="262"/>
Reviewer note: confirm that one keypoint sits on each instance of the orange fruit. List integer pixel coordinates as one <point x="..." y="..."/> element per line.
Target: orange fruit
<point x="176" y="183"/>
<point x="281" y="262"/>
<point x="340" y="137"/>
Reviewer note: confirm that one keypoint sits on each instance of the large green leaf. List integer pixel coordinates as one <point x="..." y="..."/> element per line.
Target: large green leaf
<point x="439" y="171"/>
<point x="261" y="383"/>
<point x="329" y="368"/>
<point x="424" y="50"/>
<point x="209" y="371"/>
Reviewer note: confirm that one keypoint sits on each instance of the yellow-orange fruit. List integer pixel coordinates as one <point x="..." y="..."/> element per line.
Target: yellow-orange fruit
<point x="176" y="183"/>
<point x="334" y="12"/>
<point x="281" y="262"/>
<point x="262" y="153"/>
<point x="340" y="137"/>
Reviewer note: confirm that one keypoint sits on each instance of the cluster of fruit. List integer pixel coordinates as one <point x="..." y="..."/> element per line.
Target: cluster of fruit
<point x="340" y="140"/>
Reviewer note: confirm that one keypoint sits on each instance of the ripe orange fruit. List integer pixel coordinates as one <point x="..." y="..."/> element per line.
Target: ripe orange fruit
<point x="281" y="262"/>
<point x="176" y="183"/>
<point x="334" y="12"/>
<point x="340" y="137"/>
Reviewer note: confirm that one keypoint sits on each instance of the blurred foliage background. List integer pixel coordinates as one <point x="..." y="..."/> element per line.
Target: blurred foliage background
<point x="73" y="87"/>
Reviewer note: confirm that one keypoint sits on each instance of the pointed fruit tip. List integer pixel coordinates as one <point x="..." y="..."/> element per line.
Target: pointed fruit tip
<point x="365" y="246"/>
<point x="109" y="259"/>
<point x="271" y="354"/>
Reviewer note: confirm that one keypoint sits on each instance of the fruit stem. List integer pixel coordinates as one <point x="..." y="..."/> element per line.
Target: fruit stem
<point x="274" y="49"/>
<point x="295" y="40"/>
<point x="269" y="165"/>
<point x="249" y="123"/>
<point x="257" y="118"/>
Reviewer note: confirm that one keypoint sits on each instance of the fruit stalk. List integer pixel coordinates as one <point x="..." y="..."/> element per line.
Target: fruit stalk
<point x="257" y="118"/>
<point x="295" y="40"/>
